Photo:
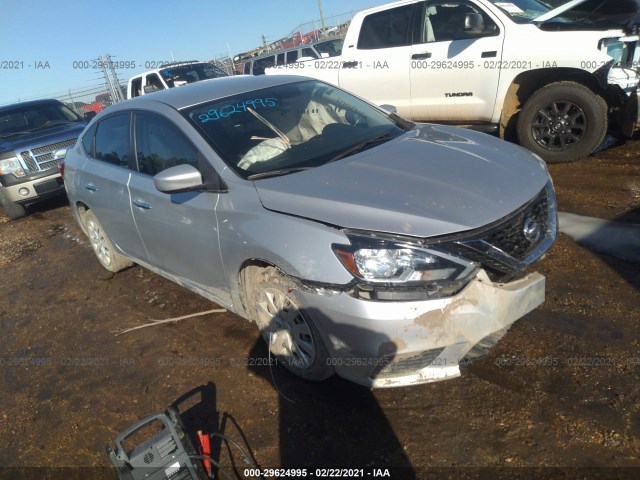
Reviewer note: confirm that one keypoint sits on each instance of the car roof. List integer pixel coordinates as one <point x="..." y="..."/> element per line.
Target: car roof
<point x="206" y="91"/>
<point x="31" y="103"/>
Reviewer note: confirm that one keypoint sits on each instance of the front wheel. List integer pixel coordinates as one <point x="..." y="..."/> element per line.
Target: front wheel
<point x="289" y="332"/>
<point x="13" y="210"/>
<point x="563" y="122"/>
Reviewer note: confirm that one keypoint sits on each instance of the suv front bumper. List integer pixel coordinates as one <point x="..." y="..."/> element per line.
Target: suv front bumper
<point x="390" y="344"/>
<point x="31" y="190"/>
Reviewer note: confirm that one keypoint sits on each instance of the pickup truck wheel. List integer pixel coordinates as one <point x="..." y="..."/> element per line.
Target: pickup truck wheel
<point x="13" y="210"/>
<point x="289" y="332"/>
<point x="102" y="246"/>
<point x="563" y="122"/>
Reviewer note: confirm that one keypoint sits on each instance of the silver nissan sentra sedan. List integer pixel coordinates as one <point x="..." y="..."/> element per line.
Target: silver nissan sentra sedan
<point x="360" y="243"/>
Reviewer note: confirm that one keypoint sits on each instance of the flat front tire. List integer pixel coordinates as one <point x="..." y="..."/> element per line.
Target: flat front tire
<point x="563" y="122"/>
<point x="103" y="248"/>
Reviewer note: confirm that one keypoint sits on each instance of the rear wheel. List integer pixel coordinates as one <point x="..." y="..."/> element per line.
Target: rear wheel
<point x="563" y="122"/>
<point x="13" y="210"/>
<point x="289" y="332"/>
<point x="102" y="246"/>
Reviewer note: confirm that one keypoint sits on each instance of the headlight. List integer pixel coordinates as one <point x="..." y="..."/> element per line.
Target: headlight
<point x="385" y="261"/>
<point x="11" y="165"/>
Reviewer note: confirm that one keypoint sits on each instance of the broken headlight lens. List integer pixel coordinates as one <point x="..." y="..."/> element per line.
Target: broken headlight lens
<point x="390" y="262"/>
<point x="11" y="165"/>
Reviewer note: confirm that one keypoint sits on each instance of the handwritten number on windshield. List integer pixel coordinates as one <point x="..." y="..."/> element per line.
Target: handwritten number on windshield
<point x="233" y="108"/>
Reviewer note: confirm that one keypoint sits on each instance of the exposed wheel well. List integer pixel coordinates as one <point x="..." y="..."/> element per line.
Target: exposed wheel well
<point x="527" y="83"/>
<point x="246" y="279"/>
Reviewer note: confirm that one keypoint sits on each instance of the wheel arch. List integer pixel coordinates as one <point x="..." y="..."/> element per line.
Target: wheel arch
<point x="527" y="83"/>
<point x="79" y="210"/>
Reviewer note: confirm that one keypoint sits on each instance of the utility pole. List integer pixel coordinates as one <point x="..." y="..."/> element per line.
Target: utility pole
<point x="106" y="78"/>
<point x="116" y="82"/>
<point x="264" y="41"/>
<point x="321" y="14"/>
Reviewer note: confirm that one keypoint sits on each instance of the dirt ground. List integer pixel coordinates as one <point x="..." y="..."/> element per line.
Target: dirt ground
<point x="560" y="390"/>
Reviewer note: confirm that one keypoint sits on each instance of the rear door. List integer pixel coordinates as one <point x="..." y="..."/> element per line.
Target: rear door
<point x="454" y="71"/>
<point x="179" y="230"/>
<point x="377" y="68"/>
<point x="103" y="181"/>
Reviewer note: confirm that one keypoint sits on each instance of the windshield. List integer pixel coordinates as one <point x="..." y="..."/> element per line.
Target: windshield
<point x="331" y="47"/>
<point x="591" y="12"/>
<point x="290" y="127"/>
<point x="191" y="73"/>
<point x="33" y="118"/>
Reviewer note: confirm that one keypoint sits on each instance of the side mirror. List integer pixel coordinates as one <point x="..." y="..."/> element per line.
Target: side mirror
<point x="181" y="178"/>
<point x="389" y="108"/>
<point x="88" y="116"/>
<point x="473" y="23"/>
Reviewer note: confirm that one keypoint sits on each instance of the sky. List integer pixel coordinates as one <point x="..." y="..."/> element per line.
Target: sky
<point x="45" y="45"/>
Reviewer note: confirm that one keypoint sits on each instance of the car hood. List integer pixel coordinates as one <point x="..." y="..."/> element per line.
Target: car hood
<point x="433" y="180"/>
<point x="620" y="12"/>
<point x="39" y="138"/>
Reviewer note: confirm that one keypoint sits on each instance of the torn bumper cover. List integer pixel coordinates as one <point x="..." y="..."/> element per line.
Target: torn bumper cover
<point x="393" y="344"/>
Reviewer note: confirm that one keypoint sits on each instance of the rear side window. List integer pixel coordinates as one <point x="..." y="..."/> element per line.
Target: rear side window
<point x="136" y="87"/>
<point x="292" y="56"/>
<point x="87" y="140"/>
<point x="260" y="65"/>
<point x="161" y="145"/>
<point x="113" y="140"/>
<point x="386" y="29"/>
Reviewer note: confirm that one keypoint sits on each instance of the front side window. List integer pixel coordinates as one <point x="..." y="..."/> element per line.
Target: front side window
<point x="153" y="81"/>
<point x="444" y="21"/>
<point x="160" y="145"/>
<point x="112" y="144"/>
<point x="293" y="126"/>
<point x="386" y="29"/>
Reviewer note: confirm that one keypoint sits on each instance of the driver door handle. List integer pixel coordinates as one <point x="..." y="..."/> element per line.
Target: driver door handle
<point x="141" y="204"/>
<point x="421" y="56"/>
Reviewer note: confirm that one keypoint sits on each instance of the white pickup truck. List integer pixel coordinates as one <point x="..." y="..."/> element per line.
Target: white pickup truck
<point x="553" y="79"/>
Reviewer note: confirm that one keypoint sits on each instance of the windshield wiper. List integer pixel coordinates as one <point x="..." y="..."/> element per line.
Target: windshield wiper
<point x="51" y="123"/>
<point x="13" y="134"/>
<point x="360" y="146"/>
<point x="276" y="173"/>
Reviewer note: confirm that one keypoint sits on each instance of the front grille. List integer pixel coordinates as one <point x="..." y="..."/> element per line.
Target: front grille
<point x="31" y="163"/>
<point x="41" y="158"/>
<point x="511" y="244"/>
<point x="510" y="238"/>
<point x="407" y="364"/>
<point x="53" y="146"/>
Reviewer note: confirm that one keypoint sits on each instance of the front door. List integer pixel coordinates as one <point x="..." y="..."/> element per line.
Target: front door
<point x="455" y="71"/>
<point x="179" y="230"/>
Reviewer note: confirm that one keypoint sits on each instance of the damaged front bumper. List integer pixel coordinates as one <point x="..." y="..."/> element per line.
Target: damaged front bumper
<point x="392" y="344"/>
